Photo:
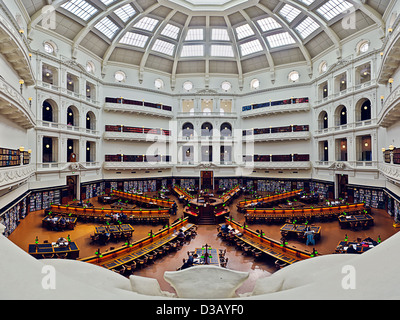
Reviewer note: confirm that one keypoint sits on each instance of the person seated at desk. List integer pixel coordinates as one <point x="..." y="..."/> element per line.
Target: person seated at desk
<point x="104" y="237"/>
<point x="224" y="228"/>
<point x="62" y="242"/>
<point x="115" y="217"/>
<point x="189" y="262"/>
<point x="63" y="222"/>
<point x="174" y="208"/>
<point x="54" y="223"/>
<point x="351" y="249"/>
<point x="181" y="235"/>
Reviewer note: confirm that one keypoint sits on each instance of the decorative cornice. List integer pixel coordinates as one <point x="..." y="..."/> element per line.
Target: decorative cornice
<point x="10" y="176"/>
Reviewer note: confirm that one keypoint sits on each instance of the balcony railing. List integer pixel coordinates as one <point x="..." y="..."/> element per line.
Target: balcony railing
<point x="272" y="109"/>
<point x="122" y="132"/>
<point x="370" y="123"/>
<point x="66" y="127"/>
<point x="69" y="93"/>
<point x="67" y="166"/>
<point x="14" y="105"/>
<point x="287" y="161"/>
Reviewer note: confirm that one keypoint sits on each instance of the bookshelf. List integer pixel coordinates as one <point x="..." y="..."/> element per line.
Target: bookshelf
<point x="371" y="197"/>
<point x="9" y="157"/>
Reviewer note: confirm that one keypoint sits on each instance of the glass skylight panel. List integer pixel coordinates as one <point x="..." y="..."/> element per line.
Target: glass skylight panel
<point x="125" y="12"/>
<point x="307" y="2"/>
<point x="307" y="27"/>
<point x="146" y="23"/>
<point x="333" y="8"/>
<point x="107" y="27"/>
<point x="289" y="12"/>
<point x="164" y="47"/>
<point x="250" y="47"/>
<point x="268" y="24"/>
<point x="218" y="50"/>
<point x="194" y="34"/>
<point x="80" y="8"/>
<point x="107" y="2"/>
<point x="280" y="39"/>
<point x="219" y="35"/>
<point x="134" y="39"/>
<point x="171" y="31"/>
<point x="244" y="31"/>
<point x="192" y="51"/>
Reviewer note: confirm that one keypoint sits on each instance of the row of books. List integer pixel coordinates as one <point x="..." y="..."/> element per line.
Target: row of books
<point x="371" y="197"/>
<point x="120" y="128"/>
<point x="9" y="157"/>
<point x="275" y="103"/>
<point x="138" y="103"/>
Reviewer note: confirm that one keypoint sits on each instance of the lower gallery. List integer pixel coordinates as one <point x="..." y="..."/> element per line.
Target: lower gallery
<point x="187" y="149"/>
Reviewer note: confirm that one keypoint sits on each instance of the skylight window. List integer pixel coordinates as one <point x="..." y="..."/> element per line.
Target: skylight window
<point x="244" y="31"/>
<point x="333" y="8"/>
<point x="280" y="39"/>
<point x="307" y="2"/>
<point x="268" y="24"/>
<point x="134" y="39"/>
<point x="107" y="27"/>
<point x="107" y="2"/>
<point x="195" y="34"/>
<point x="219" y="35"/>
<point x="164" y="47"/>
<point x="146" y="23"/>
<point x="125" y="12"/>
<point x="80" y="8"/>
<point x="250" y="47"/>
<point x="222" y="51"/>
<point x="307" y="27"/>
<point x="171" y="31"/>
<point x="289" y="13"/>
<point x="192" y="51"/>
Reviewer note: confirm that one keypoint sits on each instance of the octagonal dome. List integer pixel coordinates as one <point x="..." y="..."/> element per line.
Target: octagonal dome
<point x="232" y="37"/>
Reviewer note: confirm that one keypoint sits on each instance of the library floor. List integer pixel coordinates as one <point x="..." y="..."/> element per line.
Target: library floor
<point x="331" y="234"/>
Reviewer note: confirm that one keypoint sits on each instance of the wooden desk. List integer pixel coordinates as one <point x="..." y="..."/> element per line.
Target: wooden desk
<point x="182" y="194"/>
<point x="270" y="215"/>
<point x="105" y="215"/>
<point x="164" y="203"/>
<point x="107" y="199"/>
<point x="268" y="246"/>
<point x="54" y="222"/>
<point x="299" y="229"/>
<point x="267" y="200"/>
<point x="52" y="250"/>
<point x="350" y="220"/>
<point x="113" y="229"/>
<point x="359" y="247"/>
<point x="213" y="257"/>
<point x="114" y="259"/>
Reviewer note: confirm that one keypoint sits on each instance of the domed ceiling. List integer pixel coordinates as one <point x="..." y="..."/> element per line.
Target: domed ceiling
<point x="208" y="36"/>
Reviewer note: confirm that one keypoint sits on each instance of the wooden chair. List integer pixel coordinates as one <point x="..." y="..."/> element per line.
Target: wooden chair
<point x="224" y="262"/>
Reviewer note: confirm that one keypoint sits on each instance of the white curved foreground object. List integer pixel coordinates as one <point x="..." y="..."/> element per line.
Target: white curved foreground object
<point x="371" y="275"/>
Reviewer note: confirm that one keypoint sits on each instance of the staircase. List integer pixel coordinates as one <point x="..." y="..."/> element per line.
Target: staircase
<point x="206" y="218"/>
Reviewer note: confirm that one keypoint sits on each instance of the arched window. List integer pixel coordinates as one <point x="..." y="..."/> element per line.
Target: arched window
<point x="90" y="121"/>
<point x="226" y="129"/>
<point x="47" y="113"/>
<point x="342" y="116"/>
<point x="206" y="129"/>
<point x="323" y="120"/>
<point x="187" y="129"/>
<point x="365" y="110"/>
